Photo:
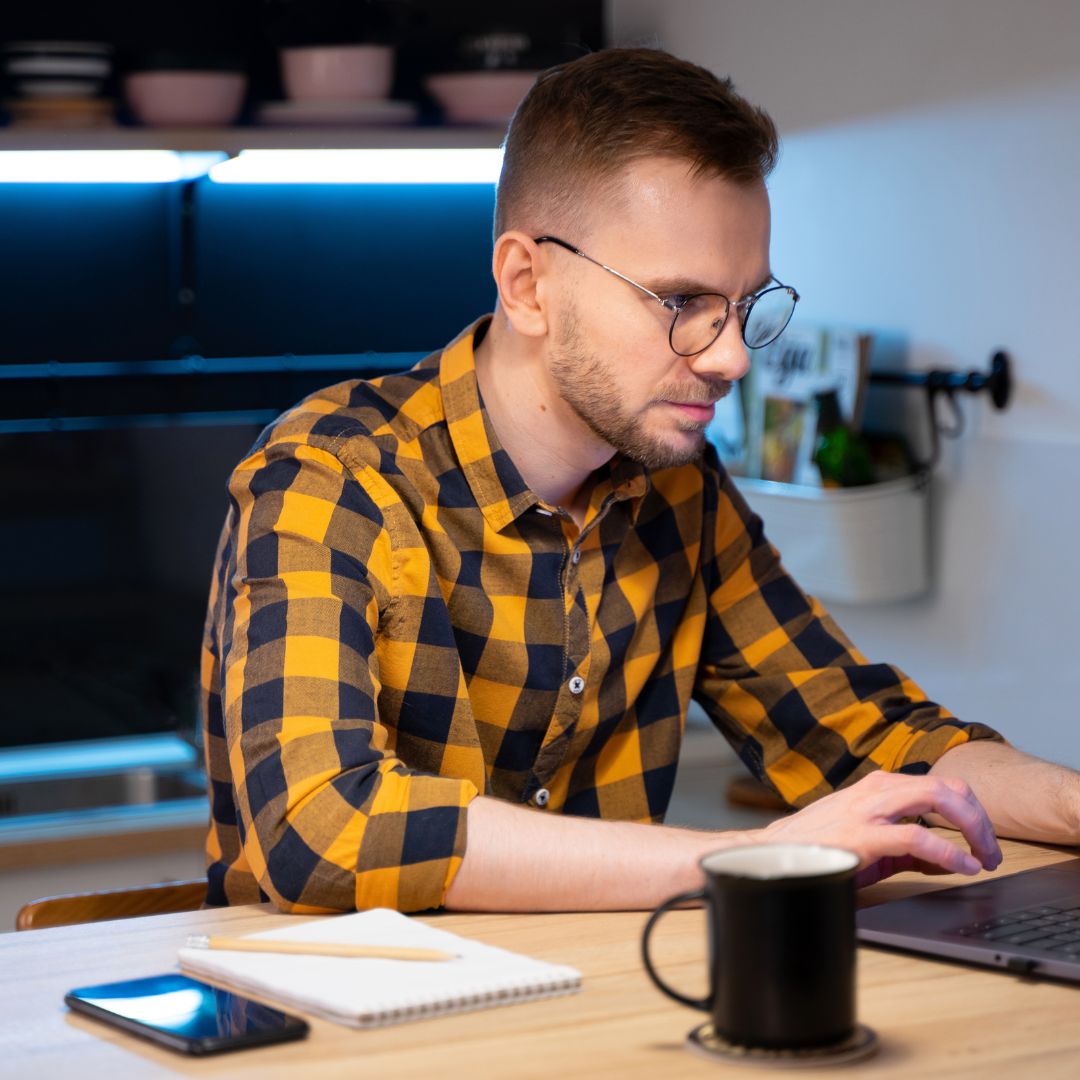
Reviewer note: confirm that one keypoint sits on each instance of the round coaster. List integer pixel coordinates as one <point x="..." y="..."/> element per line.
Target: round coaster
<point x="861" y="1043"/>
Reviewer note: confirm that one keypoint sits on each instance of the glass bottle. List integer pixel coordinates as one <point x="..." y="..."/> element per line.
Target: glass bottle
<point x="841" y="454"/>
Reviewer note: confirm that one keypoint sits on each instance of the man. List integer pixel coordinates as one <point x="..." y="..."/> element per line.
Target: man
<point x="458" y="614"/>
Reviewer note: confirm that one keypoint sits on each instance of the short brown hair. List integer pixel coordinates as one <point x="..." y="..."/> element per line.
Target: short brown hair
<point x="583" y="122"/>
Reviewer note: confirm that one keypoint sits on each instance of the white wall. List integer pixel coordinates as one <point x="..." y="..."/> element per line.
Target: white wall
<point x="928" y="190"/>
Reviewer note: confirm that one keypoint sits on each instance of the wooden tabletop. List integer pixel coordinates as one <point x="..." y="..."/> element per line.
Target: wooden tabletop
<point x="933" y="1018"/>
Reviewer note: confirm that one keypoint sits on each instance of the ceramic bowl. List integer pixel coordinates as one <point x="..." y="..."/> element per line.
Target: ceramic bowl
<point x="480" y="97"/>
<point x="337" y="72"/>
<point x="184" y="98"/>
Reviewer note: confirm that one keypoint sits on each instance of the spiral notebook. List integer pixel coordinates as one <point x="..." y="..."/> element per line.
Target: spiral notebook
<point x="368" y="993"/>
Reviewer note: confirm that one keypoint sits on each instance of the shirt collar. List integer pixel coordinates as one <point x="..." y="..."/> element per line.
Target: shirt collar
<point x="497" y="485"/>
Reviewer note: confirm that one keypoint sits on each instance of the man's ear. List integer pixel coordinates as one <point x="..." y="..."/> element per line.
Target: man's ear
<point x="516" y="264"/>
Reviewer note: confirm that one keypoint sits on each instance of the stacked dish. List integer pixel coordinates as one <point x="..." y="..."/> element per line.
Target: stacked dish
<point x="57" y="69"/>
<point x="58" y="84"/>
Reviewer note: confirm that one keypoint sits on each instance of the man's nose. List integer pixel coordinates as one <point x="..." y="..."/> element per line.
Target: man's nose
<point x="727" y="357"/>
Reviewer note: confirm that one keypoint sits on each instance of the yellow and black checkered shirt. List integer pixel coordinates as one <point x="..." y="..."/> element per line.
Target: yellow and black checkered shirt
<point x="397" y="623"/>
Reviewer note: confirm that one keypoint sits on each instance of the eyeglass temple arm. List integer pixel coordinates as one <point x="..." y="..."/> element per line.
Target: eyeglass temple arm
<point x="603" y="266"/>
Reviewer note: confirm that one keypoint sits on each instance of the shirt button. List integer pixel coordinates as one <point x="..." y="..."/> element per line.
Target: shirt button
<point x="576" y="557"/>
<point x="576" y="684"/>
<point x="541" y="797"/>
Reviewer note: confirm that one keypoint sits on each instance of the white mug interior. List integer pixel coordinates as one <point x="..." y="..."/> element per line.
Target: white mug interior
<point x="769" y="862"/>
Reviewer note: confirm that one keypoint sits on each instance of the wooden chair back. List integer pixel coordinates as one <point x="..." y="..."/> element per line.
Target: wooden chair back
<point x="169" y="896"/>
<point x="752" y="793"/>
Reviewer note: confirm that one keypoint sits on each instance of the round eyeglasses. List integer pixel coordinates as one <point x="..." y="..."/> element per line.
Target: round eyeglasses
<point x="698" y="319"/>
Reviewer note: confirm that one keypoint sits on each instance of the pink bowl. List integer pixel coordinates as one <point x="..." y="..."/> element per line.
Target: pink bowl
<point x="165" y="98"/>
<point x="480" y="97"/>
<point x="337" y="72"/>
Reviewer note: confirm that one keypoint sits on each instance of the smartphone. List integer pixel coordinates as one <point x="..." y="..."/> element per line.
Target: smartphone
<point x="186" y="1015"/>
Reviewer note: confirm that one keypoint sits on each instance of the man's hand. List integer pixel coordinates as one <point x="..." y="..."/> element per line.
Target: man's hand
<point x="865" y="819"/>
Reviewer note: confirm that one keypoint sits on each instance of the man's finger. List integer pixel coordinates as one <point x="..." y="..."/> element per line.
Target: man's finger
<point x="890" y="865"/>
<point x="920" y="843"/>
<point x="962" y="809"/>
<point x="953" y="800"/>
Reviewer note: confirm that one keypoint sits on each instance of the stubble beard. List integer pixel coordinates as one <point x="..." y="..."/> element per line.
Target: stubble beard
<point x="588" y="383"/>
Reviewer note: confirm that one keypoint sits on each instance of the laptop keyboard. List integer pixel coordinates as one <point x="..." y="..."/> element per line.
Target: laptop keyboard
<point x="1050" y="929"/>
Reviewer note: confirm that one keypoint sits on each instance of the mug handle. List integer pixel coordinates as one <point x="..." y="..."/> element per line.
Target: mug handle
<point x="705" y="1004"/>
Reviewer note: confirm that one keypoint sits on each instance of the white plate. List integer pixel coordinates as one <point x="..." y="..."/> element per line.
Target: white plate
<point x="59" y="65"/>
<point x="58" y="88"/>
<point x="82" y="48"/>
<point x="337" y="112"/>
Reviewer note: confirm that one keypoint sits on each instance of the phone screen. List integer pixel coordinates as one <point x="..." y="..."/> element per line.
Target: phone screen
<point x="185" y="1014"/>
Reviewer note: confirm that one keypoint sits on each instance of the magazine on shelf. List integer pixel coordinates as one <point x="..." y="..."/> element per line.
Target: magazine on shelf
<point x="847" y="370"/>
<point x="727" y="431"/>
<point x="779" y="402"/>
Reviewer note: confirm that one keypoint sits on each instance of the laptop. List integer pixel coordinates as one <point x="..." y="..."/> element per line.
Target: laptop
<point x="1027" y="923"/>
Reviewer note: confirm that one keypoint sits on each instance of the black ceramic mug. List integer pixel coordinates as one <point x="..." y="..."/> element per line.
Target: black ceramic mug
<point x="781" y="944"/>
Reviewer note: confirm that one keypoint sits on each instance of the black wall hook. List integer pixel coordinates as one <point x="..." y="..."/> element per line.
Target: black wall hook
<point x="997" y="382"/>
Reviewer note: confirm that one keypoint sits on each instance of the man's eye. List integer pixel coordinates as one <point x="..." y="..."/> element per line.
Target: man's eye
<point x="677" y="301"/>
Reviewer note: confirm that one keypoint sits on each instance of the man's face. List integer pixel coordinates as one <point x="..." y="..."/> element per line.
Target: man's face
<point x="610" y="358"/>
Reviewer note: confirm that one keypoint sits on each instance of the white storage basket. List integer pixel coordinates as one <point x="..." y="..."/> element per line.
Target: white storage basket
<point x="860" y="545"/>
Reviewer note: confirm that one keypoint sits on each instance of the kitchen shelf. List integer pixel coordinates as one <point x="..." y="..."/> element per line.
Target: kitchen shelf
<point x="251" y="389"/>
<point x="232" y="140"/>
<point x="104" y="795"/>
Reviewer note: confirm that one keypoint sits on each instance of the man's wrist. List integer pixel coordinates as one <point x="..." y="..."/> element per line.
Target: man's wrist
<point x="1069" y="800"/>
<point x="705" y="843"/>
<point x="696" y="844"/>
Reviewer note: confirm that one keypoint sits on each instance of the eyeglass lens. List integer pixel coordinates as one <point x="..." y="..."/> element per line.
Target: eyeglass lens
<point x="699" y="323"/>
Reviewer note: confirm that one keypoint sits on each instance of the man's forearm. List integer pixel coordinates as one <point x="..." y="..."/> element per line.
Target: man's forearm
<point x="1025" y="797"/>
<point x="525" y="860"/>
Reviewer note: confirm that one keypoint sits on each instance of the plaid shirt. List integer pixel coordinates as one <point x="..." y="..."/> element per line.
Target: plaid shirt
<point x="397" y="623"/>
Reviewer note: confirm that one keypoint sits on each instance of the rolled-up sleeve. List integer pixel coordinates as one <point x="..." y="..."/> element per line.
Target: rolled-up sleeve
<point x="328" y="817"/>
<point x="806" y="711"/>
